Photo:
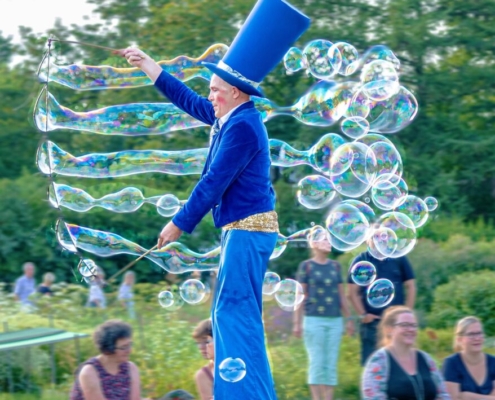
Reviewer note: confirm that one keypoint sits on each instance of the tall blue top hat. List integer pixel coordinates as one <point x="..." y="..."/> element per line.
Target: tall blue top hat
<point x="268" y="33"/>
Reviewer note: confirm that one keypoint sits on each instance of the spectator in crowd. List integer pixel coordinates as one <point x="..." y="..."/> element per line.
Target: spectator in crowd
<point x="398" y="370"/>
<point x="400" y="273"/>
<point x="45" y="287"/>
<point x="322" y="324"/>
<point x="110" y="375"/>
<point x="25" y="286"/>
<point x="125" y="293"/>
<point x="470" y="373"/>
<point x="178" y="394"/>
<point x="203" y="335"/>
<point x="96" y="297"/>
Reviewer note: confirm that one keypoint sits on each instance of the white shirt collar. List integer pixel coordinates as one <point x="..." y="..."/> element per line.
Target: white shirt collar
<point x="226" y="117"/>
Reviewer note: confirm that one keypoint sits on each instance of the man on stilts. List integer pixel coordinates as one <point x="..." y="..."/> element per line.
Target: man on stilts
<point x="235" y="185"/>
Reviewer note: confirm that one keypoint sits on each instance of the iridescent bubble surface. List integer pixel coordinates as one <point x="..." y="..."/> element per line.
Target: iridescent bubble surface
<point x="416" y="209"/>
<point x="290" y="293"/>
<point x="389" y="191"/>
<point x="347" y="224"/>
<point x="52" y="159"/>
<point x="316" y="53"/>
<point x="315" y="191"/>
<point x="403" y="228"/>
<point x="192" y="291"/>
<point x="352" y="169"/>
<point x="380" y="293"/>
<point x="88" y="77"/>
<point x="174" y="257"/>
<point x="271" y="283"/>
<point x="380" y="80"/>
<point x="168" y="205"/>
<point x="318" y="156"/>
<point x="355" y="127"/>
<point x="294" y="60"/>
<point x="431" y="203"/>
<point x="348" y="58"/>
<point x="165" y="299"/>
<point x="384" y="241"/>
<point x="362" y="273"/>
<point x="87" y="268"/>
<point x="135" y="119"/>
<point x="232" y="369"/>
<point x="393" y="114"/>
<point x="127" y="200"/>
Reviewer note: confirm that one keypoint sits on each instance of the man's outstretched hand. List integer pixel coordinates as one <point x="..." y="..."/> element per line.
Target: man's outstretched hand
<point x="170" y="233"/>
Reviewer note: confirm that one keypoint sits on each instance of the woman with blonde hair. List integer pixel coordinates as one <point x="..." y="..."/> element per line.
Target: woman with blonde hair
<point x="470" y="373"/>
<point x="398" y="370"/>
<point x="45" y="287"/>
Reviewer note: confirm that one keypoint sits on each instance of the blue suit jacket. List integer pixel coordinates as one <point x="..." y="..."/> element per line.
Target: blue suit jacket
<point x="235" y="182"/>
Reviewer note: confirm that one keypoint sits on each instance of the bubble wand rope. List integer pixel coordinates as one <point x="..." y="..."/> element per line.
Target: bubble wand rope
<point x="132" y="263"/>
<point x="117" y="51"/>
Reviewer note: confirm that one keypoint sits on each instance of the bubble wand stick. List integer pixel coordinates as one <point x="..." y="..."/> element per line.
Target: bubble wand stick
<point x="132" y="263"/>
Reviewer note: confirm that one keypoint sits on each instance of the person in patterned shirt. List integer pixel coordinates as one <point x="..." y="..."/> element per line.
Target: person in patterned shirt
<point x="319" y="319"/>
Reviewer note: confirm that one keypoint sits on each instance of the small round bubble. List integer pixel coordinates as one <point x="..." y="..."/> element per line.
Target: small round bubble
<point x="431" y="203"/>
<point x="362" y="273"/>
<point x="271" y="283"/>
<point x="348" y="57"/>
<point x="232" y="369"/>
<point x="380" y="293"/>
<point x="192" y="291"/>
<point x="168" y="205"/>
<point x="290" y="293"/>
<point x="384" y="241"/>
<point x="294" y="60"/>
<point x="87" y="268"/>
<point x="316" y="53"/>
<point x="380" y="80"/>
<point x="166" y="299"/>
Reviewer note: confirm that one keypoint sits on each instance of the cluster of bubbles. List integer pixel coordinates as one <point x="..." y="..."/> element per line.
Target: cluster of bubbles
<point x="191" y="291"/>
<point x="378" y="86"/>
<point x="357" y="174"/>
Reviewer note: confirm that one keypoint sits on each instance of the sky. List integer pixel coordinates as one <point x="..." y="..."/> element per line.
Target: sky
<point x="40" y="15"/>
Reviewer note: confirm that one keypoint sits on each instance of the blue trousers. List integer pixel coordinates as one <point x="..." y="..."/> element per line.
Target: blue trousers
<point x="238" y="330"/>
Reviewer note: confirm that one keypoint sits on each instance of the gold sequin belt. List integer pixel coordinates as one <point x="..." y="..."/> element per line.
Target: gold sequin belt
<point x="263" y="222"/>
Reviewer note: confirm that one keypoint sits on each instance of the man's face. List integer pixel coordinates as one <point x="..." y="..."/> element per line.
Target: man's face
<point x="221" y="96"/>
<point x="29" y="271"/>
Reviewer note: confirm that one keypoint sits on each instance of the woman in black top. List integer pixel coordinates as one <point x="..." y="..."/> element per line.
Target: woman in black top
<point x="399" y="371"/>
<point x="470" y="373"/>
<point x="45" y="287"/>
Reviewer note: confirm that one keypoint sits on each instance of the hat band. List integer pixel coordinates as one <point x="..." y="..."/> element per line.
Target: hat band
<point x="238" y="75"/>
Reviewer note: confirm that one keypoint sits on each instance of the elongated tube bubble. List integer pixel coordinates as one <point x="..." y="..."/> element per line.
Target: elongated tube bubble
<point x="52" y="159"/>
<point x="175" y="257"/>
<point x="88" y="77"/>
<point x="127" y="200"/>
<point x="134" y="119"/>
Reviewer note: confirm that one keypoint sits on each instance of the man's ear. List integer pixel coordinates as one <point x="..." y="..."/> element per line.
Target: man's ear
<point x="235" y="92"/>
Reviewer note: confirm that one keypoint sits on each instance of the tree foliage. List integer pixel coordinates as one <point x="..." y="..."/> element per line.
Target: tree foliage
<point x="446" y="50"/>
